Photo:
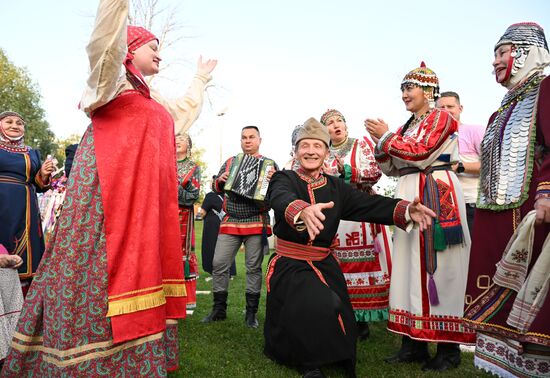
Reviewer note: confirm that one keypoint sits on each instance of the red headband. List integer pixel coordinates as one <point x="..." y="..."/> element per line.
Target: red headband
<point x="138" y="36"/>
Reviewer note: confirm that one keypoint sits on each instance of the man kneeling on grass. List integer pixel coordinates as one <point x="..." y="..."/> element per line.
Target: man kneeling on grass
<point x="309" y="319"/>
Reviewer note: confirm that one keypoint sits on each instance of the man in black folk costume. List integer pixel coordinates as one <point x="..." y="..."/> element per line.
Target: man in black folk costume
<point x="309" y="319"/>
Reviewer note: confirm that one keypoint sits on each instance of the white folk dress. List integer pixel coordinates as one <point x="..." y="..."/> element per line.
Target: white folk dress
<point x="427" y="142"/>
<point x="364" y="249"/>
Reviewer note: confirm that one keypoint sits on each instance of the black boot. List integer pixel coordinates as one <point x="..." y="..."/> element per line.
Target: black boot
<point x="411" y="351"/>
<point x="218" y="309"/>
<point x="363" y="330"/>
<point x="252" y="302"/>
<point x="313" y="373"/>
<point x="447" y="357"/>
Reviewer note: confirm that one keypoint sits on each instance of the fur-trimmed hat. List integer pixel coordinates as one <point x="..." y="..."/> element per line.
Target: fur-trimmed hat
<point x="313" y="129"/>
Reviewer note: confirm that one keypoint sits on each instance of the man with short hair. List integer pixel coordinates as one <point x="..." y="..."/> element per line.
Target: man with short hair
<point x="469" y="141"/>
<point x="309" y="318"/>
<point x="246" y="222"/>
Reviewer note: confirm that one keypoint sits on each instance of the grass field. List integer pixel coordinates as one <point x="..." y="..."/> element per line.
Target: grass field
<point x="230" y="349"/>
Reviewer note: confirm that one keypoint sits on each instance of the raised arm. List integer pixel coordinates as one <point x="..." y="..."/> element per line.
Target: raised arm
<point x="187" y="109"/>
<point x="106" y="52"/>
<point x="367" y="169"/>
<point x="422" y="148"/>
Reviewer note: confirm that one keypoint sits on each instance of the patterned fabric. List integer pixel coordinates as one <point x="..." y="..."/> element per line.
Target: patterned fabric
<point x="506" y="172"/>
<point x="500" y="357"/>
<point x="63" y="329"/>
<point x="50" y="204"/>
<point x="188" y="194"/>
<point x="331" y="113"/>
<point x="422" y="76"/>
<point x="243" y="216"/>
<point x="429" y="142"/>
<point x="363" y="250"/>
<point x="399" y="214"/>
<point x="513" y="273"/>
<point x="11" y="300"/>
<point x="138" y="36"/>
<point x="543" y="190"/>
<point x="292" y="210"/>
<point x="438" y="328"/>
<point x="523" y="33"/>
<point x="489" y="305"/>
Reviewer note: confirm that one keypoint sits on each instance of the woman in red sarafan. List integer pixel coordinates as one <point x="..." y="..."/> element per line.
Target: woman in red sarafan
<point x="110" y="289"/>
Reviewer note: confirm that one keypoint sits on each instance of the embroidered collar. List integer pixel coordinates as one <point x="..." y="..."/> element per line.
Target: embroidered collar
<point x="343" y="148"/>
<point x="320" y="180"/>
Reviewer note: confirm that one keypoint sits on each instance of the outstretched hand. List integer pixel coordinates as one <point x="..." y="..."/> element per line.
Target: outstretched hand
<point x="206" y="68"/>
<point x="313" y="218"/>
<point x="420" y="214"/>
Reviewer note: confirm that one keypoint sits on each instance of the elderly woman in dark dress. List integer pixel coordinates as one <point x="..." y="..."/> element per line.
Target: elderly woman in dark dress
<point x="21" y="175"/>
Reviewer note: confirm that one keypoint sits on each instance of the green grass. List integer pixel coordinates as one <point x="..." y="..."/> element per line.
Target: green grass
<point x="230" y="349"/>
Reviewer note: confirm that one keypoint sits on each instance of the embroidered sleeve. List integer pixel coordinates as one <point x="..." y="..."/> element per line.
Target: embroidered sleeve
<point x="433" y="132"/>
<point x="543" y="190"/>
<point x="189" y="191"/>
<point x="366" y="167"/>
<point x="385" y="163"/>
<point x="292" y="212"/>
<point x="400" y="216"/>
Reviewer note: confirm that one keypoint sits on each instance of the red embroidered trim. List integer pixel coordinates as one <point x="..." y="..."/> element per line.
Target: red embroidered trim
<point x="543" y="190"/>
<point x="293" y="209"/>
<point x="399" y="212"/>
<point x="269" y="273"/>
<point x="430" y="328"/>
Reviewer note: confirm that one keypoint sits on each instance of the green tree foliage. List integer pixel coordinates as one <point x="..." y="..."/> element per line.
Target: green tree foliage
<point x="20" y="94"/>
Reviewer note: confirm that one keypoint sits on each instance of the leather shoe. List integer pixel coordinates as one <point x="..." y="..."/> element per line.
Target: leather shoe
<point x="442" y="362"/>
<point x="363" y="330"/>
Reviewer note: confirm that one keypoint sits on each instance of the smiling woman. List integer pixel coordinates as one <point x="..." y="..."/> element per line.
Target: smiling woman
<point x="426" y="304"/>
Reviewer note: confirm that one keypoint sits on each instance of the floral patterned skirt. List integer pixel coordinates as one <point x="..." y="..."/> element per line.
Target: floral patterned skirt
<point x="63" y="330"/>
